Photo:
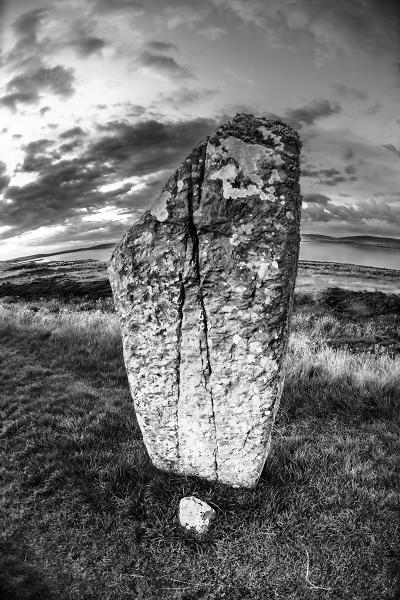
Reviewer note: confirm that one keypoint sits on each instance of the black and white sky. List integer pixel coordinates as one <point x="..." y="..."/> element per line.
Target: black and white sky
<point x="101" y="99"/>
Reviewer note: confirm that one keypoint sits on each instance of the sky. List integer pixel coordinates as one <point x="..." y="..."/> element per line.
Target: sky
<point x="100" y="100"/>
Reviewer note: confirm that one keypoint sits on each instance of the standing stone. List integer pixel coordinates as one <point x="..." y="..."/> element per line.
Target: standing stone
<point x="203" y="285"/>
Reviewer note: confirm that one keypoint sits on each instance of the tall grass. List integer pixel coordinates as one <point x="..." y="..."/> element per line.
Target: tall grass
<point x="86" y="516"/>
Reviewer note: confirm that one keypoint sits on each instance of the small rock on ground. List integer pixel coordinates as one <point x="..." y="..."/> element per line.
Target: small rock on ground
<point x="195" y="515"/>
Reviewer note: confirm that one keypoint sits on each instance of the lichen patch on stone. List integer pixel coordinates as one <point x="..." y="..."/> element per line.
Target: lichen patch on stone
<point x="159" y="208"/>
<point x="242" y="176"/>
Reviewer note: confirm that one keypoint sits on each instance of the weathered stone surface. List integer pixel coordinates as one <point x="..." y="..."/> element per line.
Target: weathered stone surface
<point x="195" y="515"/>
<point x="203" y="284"/>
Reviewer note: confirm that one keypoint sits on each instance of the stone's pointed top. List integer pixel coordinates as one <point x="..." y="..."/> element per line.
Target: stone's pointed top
<point x="259" y="130"/>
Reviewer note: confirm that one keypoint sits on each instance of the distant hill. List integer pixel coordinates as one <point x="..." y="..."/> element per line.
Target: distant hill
<point x="35" y="256"/>
<point x="360" y="240"/>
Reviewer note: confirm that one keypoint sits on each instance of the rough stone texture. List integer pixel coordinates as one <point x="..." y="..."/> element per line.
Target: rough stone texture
<point x="195" y="515"/>
<point x="203" y="284"/>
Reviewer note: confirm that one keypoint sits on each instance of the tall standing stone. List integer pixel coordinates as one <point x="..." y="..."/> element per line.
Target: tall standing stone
<point x="203" y="285"/>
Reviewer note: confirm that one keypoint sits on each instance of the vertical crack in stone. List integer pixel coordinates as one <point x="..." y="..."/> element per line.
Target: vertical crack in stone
<point x="181" y="303"/>
<point x="196" y="264"/>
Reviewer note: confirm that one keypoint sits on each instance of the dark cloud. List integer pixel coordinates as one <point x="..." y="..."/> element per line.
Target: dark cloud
<point x="44" y="110"/>
<point x="57" y="80"/>
<point x="135" y="110"/>
<point x="392" y="148"/>
<point x="4" y="178"/>
<point x="59" y="189"/>
<point x="69" y="146"/>
<point x="73" y="132"/>
<point x="114" y="126"/>
<point x="187" y="96"/>
<point x="317" y="198"/>
<point x="12" y="100"/>
<point x="349" y="92"/>
<point x="64" y="186"/>
<point x="348" y="154"/>
<point x="149" y="146"/>
<point x="309" y="113"/>
<point x="163" y="64"/>
<point x="160" y="46"/>
<point x="36" y="156"/>
<point x="26" y="26"/>
<point x="86" y="46"/>
<point x="27" y="48"/>
<point x="320" y="172"/>
<point x="331" y="176"/>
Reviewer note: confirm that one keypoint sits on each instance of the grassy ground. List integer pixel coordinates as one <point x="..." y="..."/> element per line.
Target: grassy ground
<point x="85" y="515"/>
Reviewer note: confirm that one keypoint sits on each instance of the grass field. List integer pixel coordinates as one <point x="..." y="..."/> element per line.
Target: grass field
<point x="85" y="515"/>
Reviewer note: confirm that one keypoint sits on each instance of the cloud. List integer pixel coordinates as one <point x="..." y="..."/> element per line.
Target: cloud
<point x="349" y="92"/>
<point x="182" y="16"/>
<point x="161" y="46"/>
<point x="309" y="113"/>
<point x="149" y="146"/>
<point x="4" y="178"/>
<point x="64" y="186"/>
<point x="118" y="5"/>
<point x="319" y="172"/>
<point x="165" y="65"/>
<point x="211" y="32"/>
<point x="333" y="29"/>
<point x="36" y="156"/>
<point x="73" y="132"/>
<point x="250" y="12"/>
<point x="185" y="96"/>
<point x="26" y="88"/>
<point x="348" y="153"/>
<point x="317" y="198"/>
<point x="374" y="108"/>
<point x="27" y="48"/>
<point x="322" y="208"/>
<point x="43" y="32"/>
<point x="392" y="148"/>
<point x="57" y="80"/>
<point x="44" y="110"/>
<point x="26" y="26"/>
<point x="330" y="176"/>
<point x="12" y="100"/>
<point x="86" y="46"/>
<point x="69" y="147"/>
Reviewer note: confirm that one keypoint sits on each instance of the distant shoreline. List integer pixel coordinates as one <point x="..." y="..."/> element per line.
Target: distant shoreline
<point x="308" y="238"/>
<point x="387" y="246"/>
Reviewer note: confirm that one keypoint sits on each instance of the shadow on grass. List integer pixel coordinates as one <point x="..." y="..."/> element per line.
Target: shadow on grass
<point x="133" y="488"/>
<point x="19" y="579"/>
